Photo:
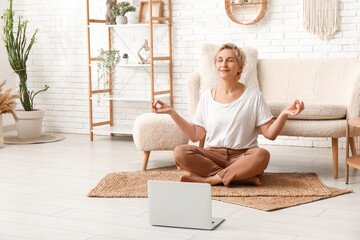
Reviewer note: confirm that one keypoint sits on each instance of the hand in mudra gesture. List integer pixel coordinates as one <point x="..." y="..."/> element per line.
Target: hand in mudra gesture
<point x="161" y="107"/>
<point x="294" y="109"/>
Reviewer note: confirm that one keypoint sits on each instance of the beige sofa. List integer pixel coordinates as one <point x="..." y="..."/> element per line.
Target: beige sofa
<point x="330" y="89"/>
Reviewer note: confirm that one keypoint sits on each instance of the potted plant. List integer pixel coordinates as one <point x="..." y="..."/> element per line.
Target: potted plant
<point x="7" y="105"/>
<point x="120" y="10"/>
<point x="18" y="52"/>
<point x="126" y="58"/>
<point x="107" y="61"/>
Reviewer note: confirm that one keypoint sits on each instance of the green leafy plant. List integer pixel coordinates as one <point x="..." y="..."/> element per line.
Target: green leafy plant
<point x="125" y="55"/>
<point x="122" y="8"/>
<point x="18" y="52"/>
<point x="107" y="60"/>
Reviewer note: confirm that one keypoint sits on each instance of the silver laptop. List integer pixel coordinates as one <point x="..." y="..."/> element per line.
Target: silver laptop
<point x="181" y="204"/>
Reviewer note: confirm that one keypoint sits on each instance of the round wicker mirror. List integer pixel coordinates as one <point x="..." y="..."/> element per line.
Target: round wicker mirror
<point x="261" y="14"/>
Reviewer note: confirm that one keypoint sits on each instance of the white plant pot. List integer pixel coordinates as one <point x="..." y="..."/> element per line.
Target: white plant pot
<point x="125" y="60"/>
<point x="1" y="133"/>
<point x="121" y="20"/>
<point x="29" y="124"/>
<point x="133" y="17"/>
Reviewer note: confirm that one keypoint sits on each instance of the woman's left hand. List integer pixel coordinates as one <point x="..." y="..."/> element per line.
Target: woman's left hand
<point x="294" y="109"/>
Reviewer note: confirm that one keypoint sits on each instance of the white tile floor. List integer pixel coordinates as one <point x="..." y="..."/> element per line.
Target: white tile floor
<point x="43" y="191"/>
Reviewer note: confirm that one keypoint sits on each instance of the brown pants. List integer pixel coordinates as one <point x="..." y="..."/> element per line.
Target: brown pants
<point x="230" y="164"/>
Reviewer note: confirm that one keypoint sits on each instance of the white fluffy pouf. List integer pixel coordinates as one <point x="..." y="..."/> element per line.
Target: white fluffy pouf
<point x="154" y="132"/>
<point x="157" y="132"/>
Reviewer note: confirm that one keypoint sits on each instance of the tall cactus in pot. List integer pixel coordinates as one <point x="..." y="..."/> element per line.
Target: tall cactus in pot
<point x="18" y="52"/>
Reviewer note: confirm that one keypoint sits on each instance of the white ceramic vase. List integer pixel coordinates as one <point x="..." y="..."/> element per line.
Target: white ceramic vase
<point x="29" y="124"/>
<point x="133" y="17"/>
<point x="122" y="20"/>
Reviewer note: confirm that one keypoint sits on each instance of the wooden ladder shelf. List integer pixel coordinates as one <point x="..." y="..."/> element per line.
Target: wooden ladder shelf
<point x="152" y="60"/>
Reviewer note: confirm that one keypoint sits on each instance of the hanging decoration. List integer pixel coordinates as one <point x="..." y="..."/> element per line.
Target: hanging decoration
<point x="146" y="48"/>
<point x="320" y="17"/>
<point x="261" y="14"/>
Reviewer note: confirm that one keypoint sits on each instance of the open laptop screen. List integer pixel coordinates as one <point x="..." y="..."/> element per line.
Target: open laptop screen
<point x="180" y="204"/>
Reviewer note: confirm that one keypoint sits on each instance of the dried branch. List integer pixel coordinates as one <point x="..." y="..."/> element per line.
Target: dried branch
<point x="7" y="103"/>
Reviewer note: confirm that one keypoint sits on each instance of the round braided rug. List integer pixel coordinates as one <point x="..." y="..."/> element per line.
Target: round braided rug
<point x="45" y="138"/>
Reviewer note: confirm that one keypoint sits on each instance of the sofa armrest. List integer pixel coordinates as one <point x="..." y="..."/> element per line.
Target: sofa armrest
<point x="353" y="108"/>
<point x="193" y="86"/>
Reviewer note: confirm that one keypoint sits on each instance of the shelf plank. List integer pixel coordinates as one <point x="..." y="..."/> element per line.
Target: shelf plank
<point x="161" y="18"/>
<point x="121" y="99"/>
<point x="126" y="25"/>
<point x="100" y="91"/>
<point x="101" y="123"/>
<point x="133" y="65"/>
<point x="106" y="130"/>
<point x="162" y="92"/>
<point x="97" y="21"/>
<point x="128" y="99"/>
<point x="162" y="58"/>
<point x="161" y="64"/>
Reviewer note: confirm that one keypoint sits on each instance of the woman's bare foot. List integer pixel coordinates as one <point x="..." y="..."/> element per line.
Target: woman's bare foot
<point x="190" y="177"/>
<point x="252" y="181"/>
<point x="213" y="180"/>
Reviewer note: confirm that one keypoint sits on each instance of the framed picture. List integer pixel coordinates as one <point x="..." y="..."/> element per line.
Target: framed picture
<point x="144" y="11"/>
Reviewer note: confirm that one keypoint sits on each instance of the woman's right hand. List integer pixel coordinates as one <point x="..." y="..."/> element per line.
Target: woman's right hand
<point x="194" y="132"/>
<point x="161" y="107"/>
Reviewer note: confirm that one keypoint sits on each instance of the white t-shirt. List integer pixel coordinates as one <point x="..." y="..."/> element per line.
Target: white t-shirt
<point x="232" y="125"/>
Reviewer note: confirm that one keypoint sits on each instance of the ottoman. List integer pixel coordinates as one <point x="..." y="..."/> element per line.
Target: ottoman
<point x="154" y="132"/>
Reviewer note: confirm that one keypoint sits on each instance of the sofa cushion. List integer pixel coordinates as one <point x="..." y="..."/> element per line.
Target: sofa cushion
<point x="312" y="111"/>
<point x="209" y="78"/>
<point x="309" y="80"/>
<point x="315" y="128"/>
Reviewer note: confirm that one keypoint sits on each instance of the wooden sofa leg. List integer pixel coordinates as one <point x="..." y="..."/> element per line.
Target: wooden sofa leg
<point x="145" y="160"/>
<point x="352" y="146"/>
<point x="334" y="142"/>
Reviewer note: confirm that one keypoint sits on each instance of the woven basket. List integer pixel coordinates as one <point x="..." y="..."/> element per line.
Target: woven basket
<point x="261" y="14"/>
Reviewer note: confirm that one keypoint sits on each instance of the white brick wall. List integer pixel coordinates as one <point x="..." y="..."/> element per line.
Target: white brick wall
<point x="59" y="57"/>
<point x="6" y="73"/>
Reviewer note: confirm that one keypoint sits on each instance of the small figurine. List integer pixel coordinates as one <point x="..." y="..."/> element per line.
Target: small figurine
<point x="109" y="17"/>
<point x="146" y="48"/>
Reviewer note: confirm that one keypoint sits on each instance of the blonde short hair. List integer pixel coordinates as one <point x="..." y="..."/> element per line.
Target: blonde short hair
<point x="240" y="55"/>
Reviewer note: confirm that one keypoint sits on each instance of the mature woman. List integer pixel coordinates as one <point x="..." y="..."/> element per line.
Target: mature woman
<point x="229" y="116"/>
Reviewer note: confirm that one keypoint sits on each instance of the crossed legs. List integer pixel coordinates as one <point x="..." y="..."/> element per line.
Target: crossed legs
<point x="221" y="165"/>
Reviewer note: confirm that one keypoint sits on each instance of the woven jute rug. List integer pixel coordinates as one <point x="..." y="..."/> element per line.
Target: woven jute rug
<point x="278" y="190"/>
